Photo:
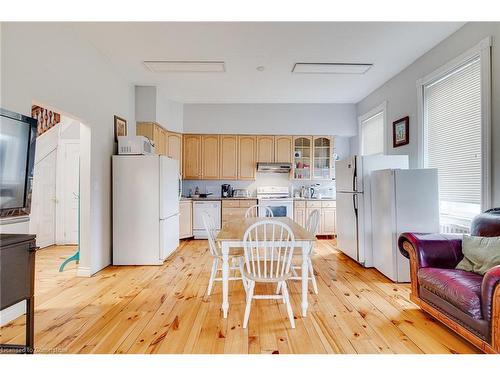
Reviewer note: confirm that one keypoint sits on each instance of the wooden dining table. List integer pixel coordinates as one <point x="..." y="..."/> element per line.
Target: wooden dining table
<point x="231" y="237"/>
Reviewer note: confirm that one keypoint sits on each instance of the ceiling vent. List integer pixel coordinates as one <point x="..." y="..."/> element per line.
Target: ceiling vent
<point x="330" y="68"/>
<point x="163" y="66"/>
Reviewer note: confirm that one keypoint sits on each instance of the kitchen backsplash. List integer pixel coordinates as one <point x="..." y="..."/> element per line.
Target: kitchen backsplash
<point x="326" y="188"/>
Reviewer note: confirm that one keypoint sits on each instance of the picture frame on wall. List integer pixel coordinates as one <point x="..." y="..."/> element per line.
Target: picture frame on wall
<point x="401" y="132"/>
<point x="120" y="127"/>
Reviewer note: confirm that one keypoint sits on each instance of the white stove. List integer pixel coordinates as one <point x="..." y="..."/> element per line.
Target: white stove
<point x="277" y="198"/>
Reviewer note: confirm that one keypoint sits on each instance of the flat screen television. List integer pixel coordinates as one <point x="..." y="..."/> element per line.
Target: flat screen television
<point x="17" y="157"/>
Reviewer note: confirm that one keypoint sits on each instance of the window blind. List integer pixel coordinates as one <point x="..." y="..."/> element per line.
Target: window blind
<point x="372" y="135"/>
<point x="452" y="120"/>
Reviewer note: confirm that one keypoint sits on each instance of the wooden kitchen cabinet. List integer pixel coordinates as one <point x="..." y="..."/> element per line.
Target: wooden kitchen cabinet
<point x="327" y="222"/>
<point x="322" y="158"/>
<point x="283" y="149"/>
<point x="210" y="157"/>
<point x="174" y="145"/>
<point x="327" y="214"/>
<point x="302" y="158"/>
<point x="155" y="133"/>
<point x="265" y="149"/>
<point x="185" y="219"/>
<point x="247" y="157"/>
<point x="191" y="165"/>
<point x="234" y="209"/>
<point x="228" y="157"/>
<point x="299" y="213"/>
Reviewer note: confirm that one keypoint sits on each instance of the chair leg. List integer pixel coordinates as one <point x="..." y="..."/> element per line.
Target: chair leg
<point x="215" y="264"/>
<point x="251" y="285"/>
<point x="278" y="288"/>
<point x="286" y="297"/>
<point x="313" y="278"/>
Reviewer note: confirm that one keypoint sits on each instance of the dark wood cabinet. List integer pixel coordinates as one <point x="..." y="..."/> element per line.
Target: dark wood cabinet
<point x="17" y="282"/>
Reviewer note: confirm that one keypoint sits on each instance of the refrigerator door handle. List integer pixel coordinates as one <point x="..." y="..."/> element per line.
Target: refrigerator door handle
<point x="354" y="175"/>
<point x="355" y="203"/>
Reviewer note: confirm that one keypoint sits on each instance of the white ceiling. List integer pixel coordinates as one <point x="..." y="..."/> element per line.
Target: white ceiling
<point x="243" y="46"/>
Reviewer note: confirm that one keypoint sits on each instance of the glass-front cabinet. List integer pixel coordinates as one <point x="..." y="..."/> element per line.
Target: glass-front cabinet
<point x="322" y="160"/>
<point x="313" y="158"/>
<point x="302" y="158"/>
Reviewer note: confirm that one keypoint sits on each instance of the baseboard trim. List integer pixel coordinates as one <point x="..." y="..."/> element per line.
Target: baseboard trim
<point x="12" y="312"/>
<point x="83" y="272"/>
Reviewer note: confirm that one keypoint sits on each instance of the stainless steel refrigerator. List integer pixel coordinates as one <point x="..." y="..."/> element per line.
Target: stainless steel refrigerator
<point x="354" y="218"/>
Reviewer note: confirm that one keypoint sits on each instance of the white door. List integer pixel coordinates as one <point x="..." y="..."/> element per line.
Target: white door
<point x="169" y="187"/>
<point x="347" y="225"/>
<point x="344" y="174"/>
<point x="69" y="192"/>
<point x="384" y="210"/>
<point x="44" y="201"/>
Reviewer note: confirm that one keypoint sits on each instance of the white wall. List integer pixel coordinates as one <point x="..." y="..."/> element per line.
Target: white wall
<point x="152" y="105"/>
<point x="314" y="119"/>
<point x="401" y="94"/>
<point x="50" y="64"/>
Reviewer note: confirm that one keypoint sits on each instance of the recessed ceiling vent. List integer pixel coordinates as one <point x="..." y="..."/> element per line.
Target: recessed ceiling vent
<point x="164" y="66"/>
<point x="331" y="68"/>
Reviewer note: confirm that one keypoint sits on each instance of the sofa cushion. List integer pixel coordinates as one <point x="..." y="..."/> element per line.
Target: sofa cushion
<point x="480" y="254"/>
<point x="460" y="288"/>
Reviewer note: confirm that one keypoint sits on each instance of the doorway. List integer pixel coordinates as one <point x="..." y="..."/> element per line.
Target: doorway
<point x="54" y="216"/>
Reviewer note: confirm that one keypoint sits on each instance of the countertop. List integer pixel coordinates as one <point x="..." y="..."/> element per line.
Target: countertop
<point x="210" y="198"/>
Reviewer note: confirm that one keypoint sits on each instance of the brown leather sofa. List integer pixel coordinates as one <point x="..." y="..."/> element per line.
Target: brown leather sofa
<point x="466" y="302"/>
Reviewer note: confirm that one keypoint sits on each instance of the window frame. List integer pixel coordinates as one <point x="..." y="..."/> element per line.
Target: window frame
<point x="483" y="51"/>
<point x="381" y="108"/>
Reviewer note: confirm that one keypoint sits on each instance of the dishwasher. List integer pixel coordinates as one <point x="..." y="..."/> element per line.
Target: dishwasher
<point x="213" y="208"/>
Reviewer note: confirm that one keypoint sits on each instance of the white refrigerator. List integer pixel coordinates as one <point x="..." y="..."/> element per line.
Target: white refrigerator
<point x="354" y="218"/>
<point x="145" y="209"/>
<point x="402" y="201"/>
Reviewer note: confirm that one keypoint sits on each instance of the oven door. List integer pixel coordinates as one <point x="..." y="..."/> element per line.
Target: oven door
<point x="280" y="208"/>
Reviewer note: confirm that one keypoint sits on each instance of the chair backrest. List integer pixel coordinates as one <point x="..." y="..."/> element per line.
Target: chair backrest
<point x="268" y="248"/>
<point x="254" y="211"/>
<point x="313" y="222"/>
<point x="208" y="223"/>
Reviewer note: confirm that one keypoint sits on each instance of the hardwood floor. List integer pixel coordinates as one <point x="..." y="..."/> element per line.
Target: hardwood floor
<point x="164" y="309"/>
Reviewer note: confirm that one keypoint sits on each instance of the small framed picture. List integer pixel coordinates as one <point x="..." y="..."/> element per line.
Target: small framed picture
<point x="401" y="132"/>
<point x="120" y="127"/>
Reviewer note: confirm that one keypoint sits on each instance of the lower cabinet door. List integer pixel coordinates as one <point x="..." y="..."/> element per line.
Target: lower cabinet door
<point x="299" y="215"/>
<point x="328" y="221"/>
<point x="185" y="219"/>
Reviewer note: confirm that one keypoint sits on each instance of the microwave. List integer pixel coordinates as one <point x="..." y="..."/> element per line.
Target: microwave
<point x="135" y="145"/>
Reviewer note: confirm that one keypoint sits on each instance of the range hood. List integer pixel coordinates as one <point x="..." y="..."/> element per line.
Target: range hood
<point x="274" y="167"/>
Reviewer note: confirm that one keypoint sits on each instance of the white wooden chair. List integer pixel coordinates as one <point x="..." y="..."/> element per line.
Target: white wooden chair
<point x="268" y="249"/>
<point x="254" y="211"/>
<point x="312" y="227"/>
<point x="216" y="253"/>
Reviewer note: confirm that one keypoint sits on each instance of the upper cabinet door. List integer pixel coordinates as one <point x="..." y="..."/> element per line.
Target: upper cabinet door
<point x="192" y="157"/>
<point x="322" y="165"/>
<point x="265" y="149"/>
<point x="247" y="157"/>
<point x="302" y="158"/>
<point x="228" y="157"/>
<point x="174" y="145"/>
<point x="210" y="157"/>
<point x="283" y="149"/>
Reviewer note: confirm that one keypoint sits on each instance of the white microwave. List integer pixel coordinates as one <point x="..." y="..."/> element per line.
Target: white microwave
<point x="135" y="145"/>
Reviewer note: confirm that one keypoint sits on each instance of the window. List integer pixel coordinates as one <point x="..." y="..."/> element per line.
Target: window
<point x="372" y="132"/>
<point x="453" y="122"/>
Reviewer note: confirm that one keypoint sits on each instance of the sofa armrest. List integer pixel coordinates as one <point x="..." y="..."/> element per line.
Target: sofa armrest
<point x="491" y="282"/>
<point x="433" y="250"/>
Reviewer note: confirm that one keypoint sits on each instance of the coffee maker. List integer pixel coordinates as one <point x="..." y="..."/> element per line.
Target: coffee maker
<point x="226" y="191"/>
